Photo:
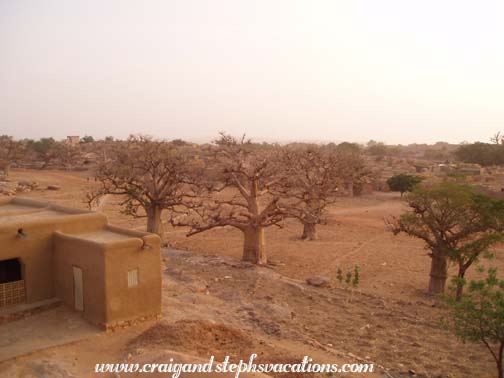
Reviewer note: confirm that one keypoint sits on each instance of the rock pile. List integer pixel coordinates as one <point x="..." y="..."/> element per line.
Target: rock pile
<point x="8" y="188"/>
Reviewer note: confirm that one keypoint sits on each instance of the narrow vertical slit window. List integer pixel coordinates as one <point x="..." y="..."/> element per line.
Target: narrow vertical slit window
<point x="133" y="277"/>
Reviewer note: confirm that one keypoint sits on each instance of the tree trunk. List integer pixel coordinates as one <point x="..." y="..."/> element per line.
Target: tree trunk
<point x="7" y="167"/>
<point x="438" y="273"/>
<point x="350" y="186"/>
<point x="253" y="245"/>
<point x="500" y="368"/>
<point x="154" y="223"/>
<point x="311" y="219"/>
<point x="309" y="231"/>
<point x="460" y="284"/>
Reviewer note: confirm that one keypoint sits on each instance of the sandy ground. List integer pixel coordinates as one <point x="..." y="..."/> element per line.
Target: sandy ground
<point x="54" y="327"/>
<point x="388" y="320"/>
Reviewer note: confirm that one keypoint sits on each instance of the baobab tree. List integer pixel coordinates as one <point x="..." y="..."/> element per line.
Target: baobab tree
<point x="351" y="167"/>
<point x="238" y="194"/>
<point x="312" y="179"/>
<point x="456" y="224"/>
<point x="150" y="175"/>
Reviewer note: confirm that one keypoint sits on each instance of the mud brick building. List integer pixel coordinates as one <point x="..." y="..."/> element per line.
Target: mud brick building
<point x="111" y="275"/>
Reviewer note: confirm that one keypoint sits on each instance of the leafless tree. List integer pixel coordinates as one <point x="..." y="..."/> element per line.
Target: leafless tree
<point x="313" y="178"/>
<point x="150" y="176"/>
<point x="238" y="194"/>
<point x="498" y="138"/>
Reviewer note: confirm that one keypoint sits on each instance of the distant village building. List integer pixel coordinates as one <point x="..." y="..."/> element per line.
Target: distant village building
<point x="109" y="274"/>
<point x="421" y="168"/>
<point x="73" y="140"/>
<point x="471" y="169"/>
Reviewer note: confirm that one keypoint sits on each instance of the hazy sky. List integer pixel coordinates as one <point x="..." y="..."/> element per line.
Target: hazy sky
<point x="397" y="71"/>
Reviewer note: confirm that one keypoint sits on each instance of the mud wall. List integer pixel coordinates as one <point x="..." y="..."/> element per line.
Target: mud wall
<point x="35" y="252"/>
<point x="144" y="300"/>
<point x="70" y="251"/>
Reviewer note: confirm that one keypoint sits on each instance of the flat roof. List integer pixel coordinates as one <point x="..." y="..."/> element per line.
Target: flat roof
<point x="31" y="216"/>
<point x="104" y="235"/>
<point x="20" y="211"/>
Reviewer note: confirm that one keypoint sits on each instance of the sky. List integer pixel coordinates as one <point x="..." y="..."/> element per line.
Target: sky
<point x="278" y="70"/>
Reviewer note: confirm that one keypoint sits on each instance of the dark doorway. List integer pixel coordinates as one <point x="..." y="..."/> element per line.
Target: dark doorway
<point x="10" y="270"/>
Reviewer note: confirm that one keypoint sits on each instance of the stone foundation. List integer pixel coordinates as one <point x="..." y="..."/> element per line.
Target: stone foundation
<point x="112" y="327"/>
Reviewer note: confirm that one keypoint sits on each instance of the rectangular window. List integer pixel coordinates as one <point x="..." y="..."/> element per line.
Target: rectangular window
<point x="133" y="278"/>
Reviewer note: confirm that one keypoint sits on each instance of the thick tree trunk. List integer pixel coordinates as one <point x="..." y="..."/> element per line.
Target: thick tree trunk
<point x="253" y="245"/>
<point x="438" y="273"/>
<point x="154" y="223"/>
<point x="6" y="169"/>
<point x="309" y="231"/>
<point x="312" y="218"/>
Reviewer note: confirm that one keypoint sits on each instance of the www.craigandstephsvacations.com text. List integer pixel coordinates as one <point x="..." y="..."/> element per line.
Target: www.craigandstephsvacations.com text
<point x="176" y="369"/>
